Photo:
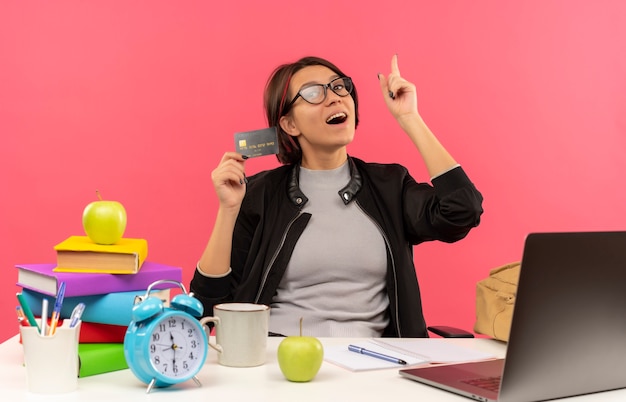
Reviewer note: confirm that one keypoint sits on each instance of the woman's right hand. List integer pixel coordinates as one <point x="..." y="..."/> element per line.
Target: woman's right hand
<point x="229" y="180"/>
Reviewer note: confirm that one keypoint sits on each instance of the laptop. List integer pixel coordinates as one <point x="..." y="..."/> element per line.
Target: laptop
<point x="568" y="334"/>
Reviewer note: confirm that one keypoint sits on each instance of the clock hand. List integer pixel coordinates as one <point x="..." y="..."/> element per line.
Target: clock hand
<point x="165" y="346"/>
<point x="174" y="347"/>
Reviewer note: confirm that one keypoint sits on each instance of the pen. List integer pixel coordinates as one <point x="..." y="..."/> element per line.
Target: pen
<point x="27" y="311"/>
<point x="44" y="317"/>
<point x="76" y="314"/>
<point x="371" y="353"/>
<point x="21" y="318"/>
<point x="57" y="308"/>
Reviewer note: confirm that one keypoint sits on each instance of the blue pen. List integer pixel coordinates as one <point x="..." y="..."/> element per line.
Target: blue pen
<point x="76" y="314"/>
<point x="371" y="353"/>
<point x="56" y="313"/>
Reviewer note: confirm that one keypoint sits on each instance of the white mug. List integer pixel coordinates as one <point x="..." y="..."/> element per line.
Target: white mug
<point x="241" y="331"/>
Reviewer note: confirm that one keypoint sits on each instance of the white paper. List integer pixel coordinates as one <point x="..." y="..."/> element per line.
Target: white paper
<point x="433" y="350"/>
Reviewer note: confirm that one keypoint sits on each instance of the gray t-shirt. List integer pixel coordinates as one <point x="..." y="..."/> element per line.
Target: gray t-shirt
<point x="335" y="279"/>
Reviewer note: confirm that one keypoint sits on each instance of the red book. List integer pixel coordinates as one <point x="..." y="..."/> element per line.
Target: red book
<point x="93" y="332"/>
<point x="43" y="279"/>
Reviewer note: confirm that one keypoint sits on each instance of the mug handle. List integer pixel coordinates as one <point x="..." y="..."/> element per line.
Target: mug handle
<point x="216" y="321"/>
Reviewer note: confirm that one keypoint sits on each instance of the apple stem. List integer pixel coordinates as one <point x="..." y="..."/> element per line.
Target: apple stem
<point x="99" y="196"/>
<point x="301" y="318"/>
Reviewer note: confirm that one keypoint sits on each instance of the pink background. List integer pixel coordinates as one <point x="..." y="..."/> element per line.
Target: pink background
<point x="139" y="99"/>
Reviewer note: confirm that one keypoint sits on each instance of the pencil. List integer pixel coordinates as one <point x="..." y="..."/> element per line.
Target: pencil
<point x="27" y="312"/>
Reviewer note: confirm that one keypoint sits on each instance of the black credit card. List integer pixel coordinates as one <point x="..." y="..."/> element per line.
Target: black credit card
<point x="257" y="142"/>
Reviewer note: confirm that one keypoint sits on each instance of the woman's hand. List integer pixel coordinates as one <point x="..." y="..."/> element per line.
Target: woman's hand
<point x="401" y="99"/>
<point x="399" y="94"/>
<point x="229" y="180"/>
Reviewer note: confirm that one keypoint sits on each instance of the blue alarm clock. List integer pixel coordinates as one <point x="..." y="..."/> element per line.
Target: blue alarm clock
<point x="164" y="346"/>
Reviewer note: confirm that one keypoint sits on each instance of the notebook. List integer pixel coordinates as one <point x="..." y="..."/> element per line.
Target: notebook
<point x="568" y="334"/>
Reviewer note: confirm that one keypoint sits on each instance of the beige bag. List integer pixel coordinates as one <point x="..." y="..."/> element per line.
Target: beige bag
<point x="495" y="297"/>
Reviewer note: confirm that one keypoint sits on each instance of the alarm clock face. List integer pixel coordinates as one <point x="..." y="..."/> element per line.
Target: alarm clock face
<point x="177" y="347"/>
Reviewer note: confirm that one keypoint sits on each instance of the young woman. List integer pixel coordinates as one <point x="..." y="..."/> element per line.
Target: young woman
<point x="328" y="237"/>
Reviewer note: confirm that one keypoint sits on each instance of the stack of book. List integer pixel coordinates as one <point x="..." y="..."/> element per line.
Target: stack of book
<point x="107" y="279"/>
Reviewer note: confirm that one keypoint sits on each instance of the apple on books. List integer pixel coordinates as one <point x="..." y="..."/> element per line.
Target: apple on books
<point x="104" y="221"/>
<point x="300" y="357"/>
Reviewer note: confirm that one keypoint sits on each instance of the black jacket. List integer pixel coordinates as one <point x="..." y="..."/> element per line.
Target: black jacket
<point x="407" y="213"/>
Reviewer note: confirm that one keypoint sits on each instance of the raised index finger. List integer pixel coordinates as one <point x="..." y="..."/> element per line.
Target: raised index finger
<point x="394" y="64"/>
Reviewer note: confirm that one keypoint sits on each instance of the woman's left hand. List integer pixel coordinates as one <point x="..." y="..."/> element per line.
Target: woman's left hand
<point x="399" y="94"/>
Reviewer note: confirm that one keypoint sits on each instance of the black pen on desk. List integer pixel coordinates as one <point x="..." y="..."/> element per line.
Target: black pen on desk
<point x="371" y="353"/>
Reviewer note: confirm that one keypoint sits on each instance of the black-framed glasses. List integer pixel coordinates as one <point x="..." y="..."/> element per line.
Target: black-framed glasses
<point x="316" y="93"/>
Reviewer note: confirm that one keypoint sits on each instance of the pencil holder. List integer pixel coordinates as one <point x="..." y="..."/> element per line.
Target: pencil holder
<point x="51" y="361"/>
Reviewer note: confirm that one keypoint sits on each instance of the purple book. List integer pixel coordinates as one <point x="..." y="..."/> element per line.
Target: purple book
<point x="41" y="278"/>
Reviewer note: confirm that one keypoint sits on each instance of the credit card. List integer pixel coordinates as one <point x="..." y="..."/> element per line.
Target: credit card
<point x="257" y="142"/>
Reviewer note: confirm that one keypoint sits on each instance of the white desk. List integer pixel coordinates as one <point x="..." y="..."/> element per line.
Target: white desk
<point x="260" y="384"/>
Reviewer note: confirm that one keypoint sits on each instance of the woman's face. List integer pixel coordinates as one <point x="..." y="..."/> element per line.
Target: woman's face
<point x="324" y="127"/>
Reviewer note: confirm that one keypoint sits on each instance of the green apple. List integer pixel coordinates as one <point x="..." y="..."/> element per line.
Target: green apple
<point x="300" y="357"/>
<point x="104" y="221"/>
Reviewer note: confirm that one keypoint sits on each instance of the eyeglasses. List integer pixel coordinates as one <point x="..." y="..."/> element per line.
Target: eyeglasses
<point x="316" y="93"/>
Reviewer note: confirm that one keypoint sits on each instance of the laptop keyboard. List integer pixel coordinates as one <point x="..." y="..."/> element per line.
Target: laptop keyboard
<point x="488" y="383"/>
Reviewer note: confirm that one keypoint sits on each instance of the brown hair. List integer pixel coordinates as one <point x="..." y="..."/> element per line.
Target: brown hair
<point x="275" y="99"/>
